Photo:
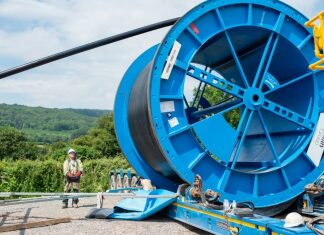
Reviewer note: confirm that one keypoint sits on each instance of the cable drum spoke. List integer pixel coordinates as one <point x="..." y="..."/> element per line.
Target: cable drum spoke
<point x="222" y="107"/>
<point x="242" y="134"/>
<point x="306" y="75"/>
<point x="239" y="129"/>
<point x="199" y="91"/>
<point x="267" y="134"/>
<point x="266" y="50"/>
<point x="201" y="95"/>
<point x="270" y="46"/>
<point x="233" y="52"/>
<point x="274" y="47"/>
<point x="288" y="114"/>
<point x="237" y="60"/>
<point x="197" y="114"/>
<point x="197" y="94"/>
<point x="215" y="81"/>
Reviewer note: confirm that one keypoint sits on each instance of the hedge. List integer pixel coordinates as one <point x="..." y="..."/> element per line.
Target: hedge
<point x="47" y="176"/>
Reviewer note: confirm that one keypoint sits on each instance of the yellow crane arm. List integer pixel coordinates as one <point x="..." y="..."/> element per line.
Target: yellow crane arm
<point x="317" y="23"/>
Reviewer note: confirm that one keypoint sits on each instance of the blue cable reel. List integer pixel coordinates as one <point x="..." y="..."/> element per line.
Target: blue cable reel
<point x="247" y="58"/>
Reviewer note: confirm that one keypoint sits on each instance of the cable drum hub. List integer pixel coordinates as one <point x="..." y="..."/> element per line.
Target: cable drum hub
<point x="227" y="95"/>
<point x="254" y="99"/>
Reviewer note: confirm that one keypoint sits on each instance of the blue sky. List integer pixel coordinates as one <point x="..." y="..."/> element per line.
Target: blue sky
<point x="32" y="29"/>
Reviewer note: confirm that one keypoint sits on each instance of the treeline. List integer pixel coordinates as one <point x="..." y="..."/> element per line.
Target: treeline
<point x="44" y="125"/>
<point x="98" y="143"/>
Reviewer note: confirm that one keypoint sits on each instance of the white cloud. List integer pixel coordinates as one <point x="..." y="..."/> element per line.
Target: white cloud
<point x="308" y="8"/>
<point x="33" y="29"/>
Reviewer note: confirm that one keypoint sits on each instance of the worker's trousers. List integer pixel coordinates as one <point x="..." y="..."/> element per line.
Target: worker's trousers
<point x="71" y="187"/>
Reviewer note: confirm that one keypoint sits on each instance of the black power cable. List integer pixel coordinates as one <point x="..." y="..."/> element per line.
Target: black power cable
<point x="87" y="47"/>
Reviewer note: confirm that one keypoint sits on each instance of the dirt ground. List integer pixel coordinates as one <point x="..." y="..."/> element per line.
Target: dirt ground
<point x="157" y="224"/>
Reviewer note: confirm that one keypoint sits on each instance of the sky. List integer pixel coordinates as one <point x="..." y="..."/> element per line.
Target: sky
<point x="32" y="29"/>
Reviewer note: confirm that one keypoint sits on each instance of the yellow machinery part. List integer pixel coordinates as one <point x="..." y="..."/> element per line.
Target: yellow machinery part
<point x="317" y="23"/>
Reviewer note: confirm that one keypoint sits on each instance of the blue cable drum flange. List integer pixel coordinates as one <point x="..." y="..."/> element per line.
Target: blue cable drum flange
<point x="121" y="121"/>
<point x="256" y="55"/>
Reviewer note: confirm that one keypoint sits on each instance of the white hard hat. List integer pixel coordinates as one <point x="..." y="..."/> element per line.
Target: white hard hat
<point x="71" y="151"/>
<point x="293" y="220"/>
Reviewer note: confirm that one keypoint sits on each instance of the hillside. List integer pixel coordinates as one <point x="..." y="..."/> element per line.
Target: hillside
<point x="45" y="125"/>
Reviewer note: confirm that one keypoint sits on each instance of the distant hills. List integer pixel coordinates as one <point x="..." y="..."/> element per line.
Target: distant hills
<point x="49" y="125"/>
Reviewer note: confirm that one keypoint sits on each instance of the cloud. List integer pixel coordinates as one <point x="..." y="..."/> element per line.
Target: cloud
<point x="33" y="29"/>
<point x="308" y="8"/>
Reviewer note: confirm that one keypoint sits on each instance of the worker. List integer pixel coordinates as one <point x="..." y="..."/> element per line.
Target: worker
<point x="72" y="170"/>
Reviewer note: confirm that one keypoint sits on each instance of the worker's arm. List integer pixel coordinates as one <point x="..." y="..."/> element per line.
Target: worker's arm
<point x="66" y="168"/>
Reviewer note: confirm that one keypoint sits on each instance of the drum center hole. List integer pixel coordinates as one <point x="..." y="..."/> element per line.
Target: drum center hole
<point x="255" y="98"/>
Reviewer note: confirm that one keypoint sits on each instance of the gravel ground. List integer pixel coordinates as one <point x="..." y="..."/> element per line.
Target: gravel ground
<point x="157" y="224"/>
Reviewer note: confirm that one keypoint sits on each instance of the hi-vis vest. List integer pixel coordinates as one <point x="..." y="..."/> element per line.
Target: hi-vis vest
<point x="72" y="166"/>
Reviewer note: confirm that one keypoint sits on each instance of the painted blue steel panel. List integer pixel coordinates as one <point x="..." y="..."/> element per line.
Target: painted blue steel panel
<point x="214" y="221"/>
<point x="121" y="124"/>
<point x="258" y="52"/>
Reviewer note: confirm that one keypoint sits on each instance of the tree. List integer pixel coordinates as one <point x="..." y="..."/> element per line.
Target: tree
<point x="101" y="139"/>
<point x="106" y="140"/>
<point x="14" y="145"/>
